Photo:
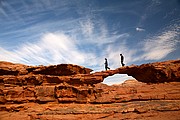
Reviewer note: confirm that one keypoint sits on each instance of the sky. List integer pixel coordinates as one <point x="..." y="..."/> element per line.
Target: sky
<point x="85" y="32"/>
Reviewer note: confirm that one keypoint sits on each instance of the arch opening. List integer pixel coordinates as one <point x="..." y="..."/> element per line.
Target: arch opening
<point x="117" y="79"/>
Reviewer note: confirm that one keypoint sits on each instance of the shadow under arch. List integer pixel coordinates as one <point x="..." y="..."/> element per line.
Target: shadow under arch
<point x="116" y="79"/>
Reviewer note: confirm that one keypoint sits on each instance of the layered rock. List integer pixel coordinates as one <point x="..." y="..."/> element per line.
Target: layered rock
<point x="137" y="91"/>
<point x="36" y="92"/>
<point x="72" y="83"/>
<point x="130" y="100"/>
<point x="19" y="74"/>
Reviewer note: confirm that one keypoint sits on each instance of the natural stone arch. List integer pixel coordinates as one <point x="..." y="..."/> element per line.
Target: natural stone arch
<point x="116" y="79"/>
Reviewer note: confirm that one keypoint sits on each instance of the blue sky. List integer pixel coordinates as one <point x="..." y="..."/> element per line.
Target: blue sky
<point x="84" y="32"/>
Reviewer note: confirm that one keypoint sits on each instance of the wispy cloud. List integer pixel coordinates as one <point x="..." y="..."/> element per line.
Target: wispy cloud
<point x="86" y="39"/>
<point x="160" y="45"/>
<point x="51" y="49"/>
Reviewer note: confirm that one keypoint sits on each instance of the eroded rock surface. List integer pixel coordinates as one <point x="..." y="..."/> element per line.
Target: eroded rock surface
<point x="37" y="92"/>
<point x="130" y="100"/>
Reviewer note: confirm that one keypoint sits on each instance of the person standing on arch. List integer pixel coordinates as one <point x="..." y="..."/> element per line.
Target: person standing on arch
<point x="122" y="60"/>
<point x="106" y="64"/>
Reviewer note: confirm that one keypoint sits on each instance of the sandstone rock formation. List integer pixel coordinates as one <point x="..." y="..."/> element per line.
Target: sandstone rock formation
<point x="37" y="92"/>
<point x="158" y="72"/>
<point x="7" y="68"/>
<point x="19" y="74"/>
<point x="130" y="100"/>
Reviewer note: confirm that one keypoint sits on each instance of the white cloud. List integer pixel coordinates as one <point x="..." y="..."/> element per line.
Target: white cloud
<point x="62" y="48"/>
<point x="140" y="29"/>
<point x="160" y="46"/>
<point x="51" y="49"/>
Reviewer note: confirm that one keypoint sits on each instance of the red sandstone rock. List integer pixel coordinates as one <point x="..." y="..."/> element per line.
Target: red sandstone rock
<point x="7" y="68"/>
<point x="18" y="74"/>
<point x="158" y="72"/>
<point x="151" y="110"/>
<point x="140" y="91"/>
<point x="45" y="93"/>
<point x="28" y="92"/>
<point x="62" y="70"/>
<point x="20" y="95"/>
<point x="40" y="86"/>
<point x="85" y="93"/>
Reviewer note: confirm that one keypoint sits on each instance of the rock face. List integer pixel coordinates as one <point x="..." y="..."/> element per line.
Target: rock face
<point x="137" y="91"/>
<point x="130" y="100"/>
<point x="73" y="83"/>
<point x="37" y="92"/>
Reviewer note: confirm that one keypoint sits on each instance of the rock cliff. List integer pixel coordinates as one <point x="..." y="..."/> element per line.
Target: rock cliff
<point x="37" y="92"/>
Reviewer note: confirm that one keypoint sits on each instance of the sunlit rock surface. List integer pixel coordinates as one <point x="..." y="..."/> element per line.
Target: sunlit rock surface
<point x="47" y="92"/>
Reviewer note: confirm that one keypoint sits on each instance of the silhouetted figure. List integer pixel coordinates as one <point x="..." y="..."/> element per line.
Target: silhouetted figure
<point x="122" y="60"/>
<point x="106" y="64"/>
